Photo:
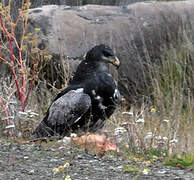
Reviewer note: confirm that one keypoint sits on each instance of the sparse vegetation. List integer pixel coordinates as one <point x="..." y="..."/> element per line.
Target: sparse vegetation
<point x="182" y="161"/>
<point x="164" y="126"/>
<point x="22" y="57"/>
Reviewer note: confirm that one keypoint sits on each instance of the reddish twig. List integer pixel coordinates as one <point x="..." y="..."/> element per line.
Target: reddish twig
<point x="5" y="61"/>
<point x="19" y="79"/>
<point x="21" y="94"/>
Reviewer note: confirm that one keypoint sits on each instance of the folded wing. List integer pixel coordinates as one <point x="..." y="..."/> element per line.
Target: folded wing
<point x="63" y="114"/>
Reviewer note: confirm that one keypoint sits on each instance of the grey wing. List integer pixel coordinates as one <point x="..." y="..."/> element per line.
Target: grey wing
<point x="69" y="108"/>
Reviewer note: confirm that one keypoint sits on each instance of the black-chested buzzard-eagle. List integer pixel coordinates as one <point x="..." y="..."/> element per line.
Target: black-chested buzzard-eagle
<point x="88" y="101"/>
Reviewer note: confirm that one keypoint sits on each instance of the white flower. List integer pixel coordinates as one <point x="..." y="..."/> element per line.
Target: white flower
<point x="60" y="168"/>
<point x="66" y="165"/>
<point x="34" y="114"/>
<point x="8" y="117"/>
<point x="146" y="171"/>
<point x="149" y="135"/>
<point x="140" y="120"/>
<point x="129" y="113"/>
<point x="166" y="120"/>
<point x="67" y="178"/>
<point x="153" y="110"/>
<point x="173" y="141"/>
<point x="55" y="170"/>
<point x="22" y="113"/>
<point x="73" y="135"/>
<point x="119" y="131"/>
<point x="158" y="137"/>
<point x="10" y="126"/>
<point x="165" y="138"/>
<point x="164" y="154"/>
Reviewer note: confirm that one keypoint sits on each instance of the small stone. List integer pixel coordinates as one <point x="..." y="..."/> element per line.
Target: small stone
<point x="26" y="157"/>
<point x="54" y="160"/>
<point x="32" y="171"/>
<point x="180" y="172"/>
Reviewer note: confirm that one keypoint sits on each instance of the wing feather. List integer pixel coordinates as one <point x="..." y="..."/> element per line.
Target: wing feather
<point x="68" y="108"/>
<point x="63" y="113"/>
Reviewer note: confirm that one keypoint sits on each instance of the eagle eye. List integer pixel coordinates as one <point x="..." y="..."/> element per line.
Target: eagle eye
<point x="107" y="54"/>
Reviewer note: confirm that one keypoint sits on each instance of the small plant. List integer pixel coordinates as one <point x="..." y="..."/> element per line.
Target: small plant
<point x="130" y="168"/>
<point x="182" y="162"/>
<point x="156" y="154"/>
<point x="136" y="169"/>
<point x="63" y="171"/>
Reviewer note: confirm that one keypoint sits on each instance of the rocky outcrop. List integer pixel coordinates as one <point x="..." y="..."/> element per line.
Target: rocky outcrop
<point x="136" y="32"/>
<point x="85" y="2"/>
<point x="38" y="3"/>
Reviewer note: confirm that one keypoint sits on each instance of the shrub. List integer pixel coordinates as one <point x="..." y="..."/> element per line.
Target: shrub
<point x="21" y="55"/>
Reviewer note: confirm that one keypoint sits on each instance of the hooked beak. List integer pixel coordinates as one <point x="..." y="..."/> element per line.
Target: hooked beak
<point x="115" y="61"/>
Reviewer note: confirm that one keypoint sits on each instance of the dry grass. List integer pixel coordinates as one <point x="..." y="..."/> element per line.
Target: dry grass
<point x="165" y="123"/>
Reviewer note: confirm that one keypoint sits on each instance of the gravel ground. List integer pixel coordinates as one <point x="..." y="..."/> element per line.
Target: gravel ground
<point x="33" y="161"/>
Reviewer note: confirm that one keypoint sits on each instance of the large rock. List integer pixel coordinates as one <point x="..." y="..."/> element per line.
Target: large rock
<point x="38" y="3"/>
<point x="136" y="32"/>
<point x="17" y="4"/>
<point x="84" y="2"/>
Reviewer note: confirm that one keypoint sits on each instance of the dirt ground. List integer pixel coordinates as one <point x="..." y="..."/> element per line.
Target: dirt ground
<point x="36" y="161"/>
